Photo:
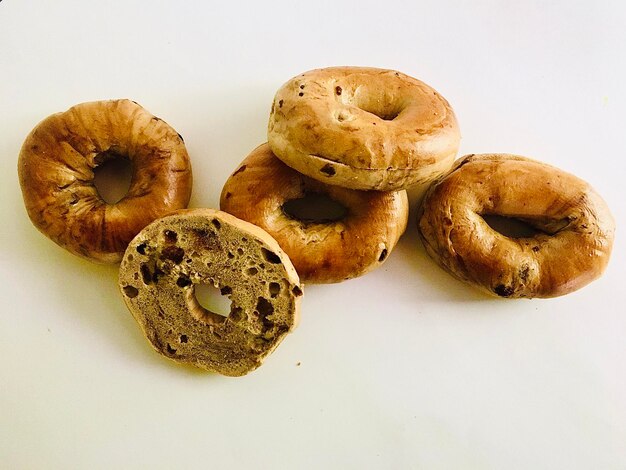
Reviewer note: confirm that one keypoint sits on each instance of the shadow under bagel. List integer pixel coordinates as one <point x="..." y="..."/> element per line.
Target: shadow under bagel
<point x="439" y="286"/>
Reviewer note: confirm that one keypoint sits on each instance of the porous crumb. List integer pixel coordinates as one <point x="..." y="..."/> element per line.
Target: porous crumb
<point x="163" y="300"/>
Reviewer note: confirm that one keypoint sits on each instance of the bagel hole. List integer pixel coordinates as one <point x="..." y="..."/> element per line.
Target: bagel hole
<point x="315" y="208"/>
<point x="511" y="227"/>
<point x="210" y="304"/>
<point x="112" y="177"/>
<point x="384" y="114"/>
<point x="380" y="106"/>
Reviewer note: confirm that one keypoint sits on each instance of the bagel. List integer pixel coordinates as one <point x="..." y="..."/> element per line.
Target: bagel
<point x="56" y="172"/>
<point x="326" y="251"/>
<point x="363" y="128"/>
<point x="574" y="227"/>
<point x="168" y="258"/>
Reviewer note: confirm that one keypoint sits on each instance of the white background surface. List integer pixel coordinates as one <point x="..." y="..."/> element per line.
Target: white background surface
<point x="403" y="368"/>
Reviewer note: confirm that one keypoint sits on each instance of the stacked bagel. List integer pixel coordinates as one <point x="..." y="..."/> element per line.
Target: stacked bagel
<point x="357" y="137"/>
<point x="360" y="136"/>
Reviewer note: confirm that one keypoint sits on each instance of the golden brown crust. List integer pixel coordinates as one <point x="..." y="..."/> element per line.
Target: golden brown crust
<point x="363" y="128"/>
<point x="56" y="171"/>
<point x="168" y="258"/>
<point x="575" y="227"/>
<point x="321" y="252"/>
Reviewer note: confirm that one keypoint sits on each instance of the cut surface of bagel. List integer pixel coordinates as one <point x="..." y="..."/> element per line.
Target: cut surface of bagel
<point x="166" y="260"/>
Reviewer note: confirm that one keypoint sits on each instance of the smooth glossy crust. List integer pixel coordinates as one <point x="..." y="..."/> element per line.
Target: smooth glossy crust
<point x="56" y="171"/>
<point x="169" y="257"/>
<point x="363" y="128"/>
<point x="572" y="248"/>
<point x="321" y="252"/>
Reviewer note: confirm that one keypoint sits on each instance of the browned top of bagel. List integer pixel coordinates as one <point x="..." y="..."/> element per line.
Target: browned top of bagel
<point x="575" y="226"/>
<point x="321" y="252"/>
<point x="363" y="128"/>
<point x="56" y="171"/>
<point x="169" y="257"/>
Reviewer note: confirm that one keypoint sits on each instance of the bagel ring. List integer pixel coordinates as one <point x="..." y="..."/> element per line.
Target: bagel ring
<point x="363" y="128"/>
<point x="322" y="252"/>
<point x="56" y="171"/>
<point x="575" y="229"/>
<point x="171" y="256"/>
